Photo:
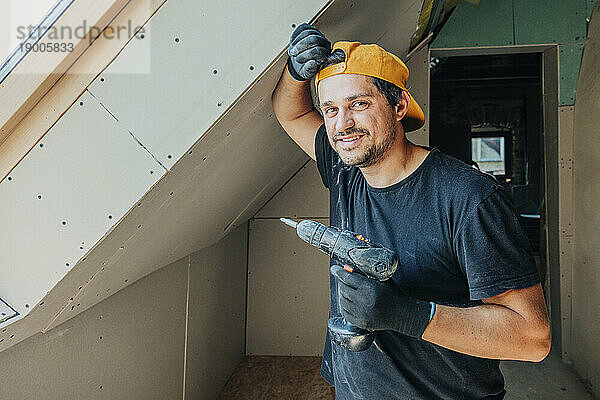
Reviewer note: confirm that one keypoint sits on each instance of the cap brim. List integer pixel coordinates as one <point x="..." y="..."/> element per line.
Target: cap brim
<point x="414" y="118"/>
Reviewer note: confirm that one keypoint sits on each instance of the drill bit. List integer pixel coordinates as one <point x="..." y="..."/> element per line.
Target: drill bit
<point x="289" y="222"/>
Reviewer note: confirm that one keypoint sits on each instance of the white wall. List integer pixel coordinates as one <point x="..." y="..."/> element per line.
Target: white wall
<point x="288" y="280"/>
<point x="134" y="345"/>
<point x="586" y="268"/>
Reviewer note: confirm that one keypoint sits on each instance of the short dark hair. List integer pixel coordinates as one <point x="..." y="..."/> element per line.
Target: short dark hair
<point x="392" y="93"/>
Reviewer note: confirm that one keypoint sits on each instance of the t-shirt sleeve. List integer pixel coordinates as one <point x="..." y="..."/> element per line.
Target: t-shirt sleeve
<point x="323" y="154"/>
<point x="493" y="250"/>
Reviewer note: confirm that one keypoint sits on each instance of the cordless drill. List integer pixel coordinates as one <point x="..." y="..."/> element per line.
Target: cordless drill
<point x="356" y="254"/>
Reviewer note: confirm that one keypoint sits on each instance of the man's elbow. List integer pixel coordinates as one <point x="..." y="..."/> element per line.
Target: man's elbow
<point x="541" y="343"/>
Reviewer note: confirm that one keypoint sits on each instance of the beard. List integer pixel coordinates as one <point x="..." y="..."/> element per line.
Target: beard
<point x="374" y="152"/>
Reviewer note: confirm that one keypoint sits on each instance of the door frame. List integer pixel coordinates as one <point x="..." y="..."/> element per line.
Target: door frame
<point x="558" y="277"/>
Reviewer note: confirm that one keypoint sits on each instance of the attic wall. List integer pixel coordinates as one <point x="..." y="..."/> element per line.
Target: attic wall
<point x="586" y="268"/>
<point x="133" y="344"/>
<point x="288" y="280"/>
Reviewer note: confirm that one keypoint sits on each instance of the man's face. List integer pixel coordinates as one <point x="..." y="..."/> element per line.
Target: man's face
<point x="360" y="123"/>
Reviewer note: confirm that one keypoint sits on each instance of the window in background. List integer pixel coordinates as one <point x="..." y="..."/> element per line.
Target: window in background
<point x="488" y="153"/>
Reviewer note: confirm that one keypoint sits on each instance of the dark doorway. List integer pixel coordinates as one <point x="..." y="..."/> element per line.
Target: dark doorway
<point x="486" y="111"/>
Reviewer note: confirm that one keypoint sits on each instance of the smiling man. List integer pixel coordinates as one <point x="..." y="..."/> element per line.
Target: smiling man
<point x="467" y="291"/>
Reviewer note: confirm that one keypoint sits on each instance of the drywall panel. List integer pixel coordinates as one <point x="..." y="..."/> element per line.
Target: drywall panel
<point x="6" y="312"/>
<point x="216" y="321"/>
<point x="555" y="21"/>
<point x="481" y="23"/>
<point x="203" y="56"/>
<point x="418" y="86"/>
<point x="64" y="196"/>
<point x="130" y="346"/>
<point x="302" y="196"/>
<point x="585" y="332"/>
<point x="288" y="292"/>
<point x="565" y="222"/>
<point x="570" y="62"/>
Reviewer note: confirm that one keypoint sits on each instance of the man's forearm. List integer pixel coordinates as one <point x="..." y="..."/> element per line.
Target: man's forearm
<point x="489" y="331"/>
<point x="291" y="98"/>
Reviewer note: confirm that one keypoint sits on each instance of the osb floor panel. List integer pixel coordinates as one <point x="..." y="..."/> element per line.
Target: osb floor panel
<point x="271" y="378"/>
<point x="266" y="378"/>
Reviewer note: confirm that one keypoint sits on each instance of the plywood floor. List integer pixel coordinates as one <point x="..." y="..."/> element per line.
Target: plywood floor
<point x="266" y="378"/>
<point x="277" y="378"/>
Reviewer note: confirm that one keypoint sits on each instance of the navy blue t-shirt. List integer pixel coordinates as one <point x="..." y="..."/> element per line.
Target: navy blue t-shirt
<point x="458" y="240"/>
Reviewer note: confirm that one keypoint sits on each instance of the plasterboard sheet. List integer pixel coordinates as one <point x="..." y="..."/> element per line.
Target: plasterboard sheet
<point x="555" y="21"/>
<point x="128" y="347"/>
<point x="485" y="23"/>
<point x="304" y="195"/>
<point x="6" y="312"/>
<point x="64" y="196"/>
<point x="203" y="55"/>
<point x="288" y="292"/>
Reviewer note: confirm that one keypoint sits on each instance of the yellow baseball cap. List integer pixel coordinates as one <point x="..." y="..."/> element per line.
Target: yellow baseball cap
<point x="372" y="60"/>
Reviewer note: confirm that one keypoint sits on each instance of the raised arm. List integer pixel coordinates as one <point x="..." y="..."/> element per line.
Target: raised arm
<point x="292" y="102"/>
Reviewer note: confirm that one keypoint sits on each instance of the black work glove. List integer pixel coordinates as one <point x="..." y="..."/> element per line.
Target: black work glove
<point x="373" y="305"/>
<point x="308" y="49"/>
